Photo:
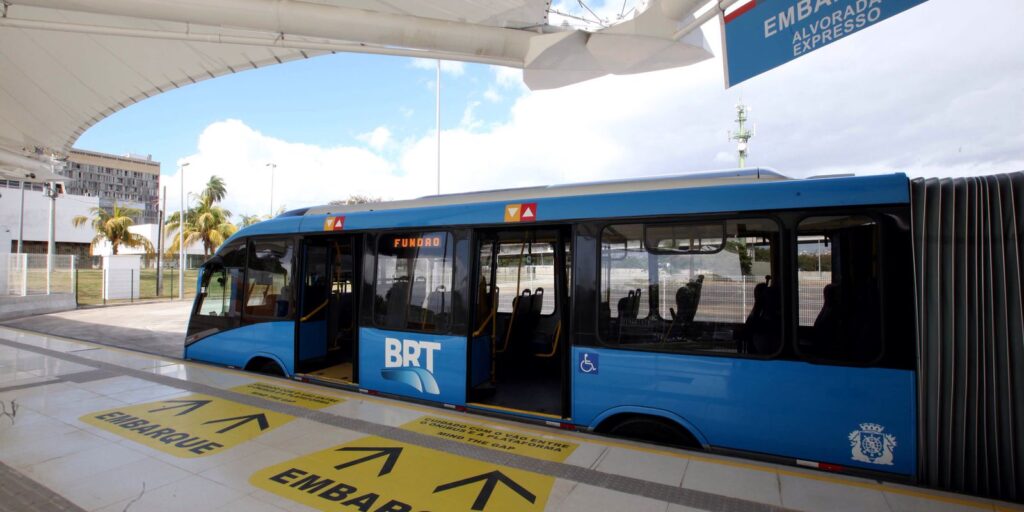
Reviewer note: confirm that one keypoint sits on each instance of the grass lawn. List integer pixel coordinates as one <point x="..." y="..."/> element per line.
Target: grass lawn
<point x="90" y="285"/>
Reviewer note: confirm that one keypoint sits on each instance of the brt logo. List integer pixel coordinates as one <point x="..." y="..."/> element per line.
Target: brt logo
<point x="411" y="362"/>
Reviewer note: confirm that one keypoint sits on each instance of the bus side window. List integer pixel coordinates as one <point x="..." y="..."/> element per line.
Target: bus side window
<point x="413" y="289"/>
<point x="838" y="273"/>
<point x="695" y="287"/>
<point x="268" y="280"/>
<point x="222" y="284"/>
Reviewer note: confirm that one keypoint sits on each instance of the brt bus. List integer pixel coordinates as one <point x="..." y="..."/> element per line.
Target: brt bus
<point x="734" y="311"/>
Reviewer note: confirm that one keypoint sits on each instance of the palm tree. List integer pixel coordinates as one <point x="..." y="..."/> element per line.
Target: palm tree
<point x="206" y="222"/>
<point x="215" y="190"/>
<point x="356" y="199"/>
<point x="112" y="226"/>
<point x="249" y="220"/>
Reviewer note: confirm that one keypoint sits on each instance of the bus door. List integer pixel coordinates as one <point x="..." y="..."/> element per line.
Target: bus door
<point x="327" y="333"/>
<point x="520" y="334"/>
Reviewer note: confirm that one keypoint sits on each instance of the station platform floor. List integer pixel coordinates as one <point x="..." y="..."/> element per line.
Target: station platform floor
<point x="92" y="427"/>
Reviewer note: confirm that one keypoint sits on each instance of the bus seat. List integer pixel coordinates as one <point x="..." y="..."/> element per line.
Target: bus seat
<point x="688" y="299"/>
<point x="437" y="302"/>
<point x="344" y="312"/>
<point x="418" y="296"/>
<point x="828" y="326"/>
<point x="538" y="301"/>
<point x="763" y="324"/>
<point x="528" y="322"/>
<point x="520" y="303"/>
<point x="397" y="300"/>
<point x="628" y="309"/>
<point x="281" y="302"/>
<point x="629" y="306"/>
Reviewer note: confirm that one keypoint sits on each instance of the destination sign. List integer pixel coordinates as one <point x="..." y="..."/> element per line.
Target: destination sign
<point x="406" y="242"/>
<point x="763" y="34"/>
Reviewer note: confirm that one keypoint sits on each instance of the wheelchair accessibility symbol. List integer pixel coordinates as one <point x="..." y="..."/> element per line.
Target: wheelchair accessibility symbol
<point x="588" y="363"/>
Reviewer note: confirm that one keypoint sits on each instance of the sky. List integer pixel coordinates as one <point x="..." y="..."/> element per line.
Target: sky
<point x="935" y="91"/>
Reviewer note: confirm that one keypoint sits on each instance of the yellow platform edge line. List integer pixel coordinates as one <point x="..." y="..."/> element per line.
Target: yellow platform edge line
<point x="824" y="477"/>
<point x="478" y="405"/>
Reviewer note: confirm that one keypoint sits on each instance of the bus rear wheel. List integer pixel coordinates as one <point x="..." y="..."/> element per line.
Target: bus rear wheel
<point x="651" y="429"/>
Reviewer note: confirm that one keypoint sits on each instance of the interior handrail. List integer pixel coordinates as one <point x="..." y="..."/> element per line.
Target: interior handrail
<point x="554" y="347"/>
<point x="490" y="316"/>
<point x="315" y="311"/>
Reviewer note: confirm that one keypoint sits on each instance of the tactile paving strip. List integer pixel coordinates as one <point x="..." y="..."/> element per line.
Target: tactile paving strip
<point x="19" y="493"/>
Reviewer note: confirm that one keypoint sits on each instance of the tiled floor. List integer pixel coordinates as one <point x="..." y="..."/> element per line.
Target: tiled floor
<point x="43" y="437"/>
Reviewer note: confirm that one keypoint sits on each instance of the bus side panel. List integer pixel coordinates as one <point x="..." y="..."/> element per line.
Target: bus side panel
<point x="237" y="346"/>
<point x="413" y="364"/>
<point x="855" y="417"/>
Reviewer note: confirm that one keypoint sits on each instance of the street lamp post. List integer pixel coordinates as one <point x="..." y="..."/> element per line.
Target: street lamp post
<point x="181" y="235"/>
<point x="21" y="220"/>
<point x="272" y="166"/>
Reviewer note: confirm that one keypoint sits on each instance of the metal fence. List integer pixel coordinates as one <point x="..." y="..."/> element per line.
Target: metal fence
<point x="192" y="261"/>
<point x="26" y="274"/>
<point x="111" y="285"/>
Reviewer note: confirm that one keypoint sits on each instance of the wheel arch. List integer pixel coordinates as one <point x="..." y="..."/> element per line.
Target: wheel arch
<point x="617" y="414"/>
<point x="262" y="357"/>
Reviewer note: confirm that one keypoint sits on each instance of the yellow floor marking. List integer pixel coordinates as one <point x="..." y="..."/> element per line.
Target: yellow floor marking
<point x="509" y="441"/>
<point x="287" y="395"/>
<point x="189" y="426"/>
<point x="379" y="474"/>
<point x="822" y="477"/>
<point x="509" y="409"/>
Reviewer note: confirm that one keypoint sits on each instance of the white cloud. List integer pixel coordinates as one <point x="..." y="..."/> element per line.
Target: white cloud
<point x="469" y="120"/>
<point x="508" y="78"/>
<point x="901" y="96"/>
<point x="492" y="95"/>
<point x="379" y="139"/>
<point x="451" y="67"/>
<point x="305" y="174"/>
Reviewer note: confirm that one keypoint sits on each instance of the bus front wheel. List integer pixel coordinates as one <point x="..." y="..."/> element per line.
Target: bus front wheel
<point x="265" y="366"/>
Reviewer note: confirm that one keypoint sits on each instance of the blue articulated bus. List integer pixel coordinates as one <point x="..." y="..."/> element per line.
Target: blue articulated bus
<point x="735" y="311"/>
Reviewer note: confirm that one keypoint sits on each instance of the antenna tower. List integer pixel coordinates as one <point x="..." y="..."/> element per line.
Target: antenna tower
<point x="742" y="135"/>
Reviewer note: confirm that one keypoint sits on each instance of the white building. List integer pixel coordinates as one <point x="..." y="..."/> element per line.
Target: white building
<point x="70" y="239"/>
<point x="36" y="220"/>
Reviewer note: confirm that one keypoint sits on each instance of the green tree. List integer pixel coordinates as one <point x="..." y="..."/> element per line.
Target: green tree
<point x="249" y="220"/>
<point x="215" y="190"/>
<point x="355" y="199"/>
<point x="112" y="226"/>
<point x="205" y="222"/>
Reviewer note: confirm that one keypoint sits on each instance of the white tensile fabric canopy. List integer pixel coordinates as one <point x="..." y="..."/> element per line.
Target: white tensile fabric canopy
<point x="67" y="64"/>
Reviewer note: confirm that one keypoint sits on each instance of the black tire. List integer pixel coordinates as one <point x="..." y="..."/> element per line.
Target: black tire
<point x="265" y="366"/>
<point x="653" y="430"/>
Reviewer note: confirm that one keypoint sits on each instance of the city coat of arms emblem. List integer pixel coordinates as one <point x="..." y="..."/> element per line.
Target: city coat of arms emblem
<point x="872" y="445"/>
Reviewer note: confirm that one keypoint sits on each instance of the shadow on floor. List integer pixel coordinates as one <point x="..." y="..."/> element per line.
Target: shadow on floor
<point x="167" y="344"/>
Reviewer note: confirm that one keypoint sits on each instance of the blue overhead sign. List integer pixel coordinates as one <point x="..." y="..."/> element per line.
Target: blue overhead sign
<point x="764" y="34"/>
